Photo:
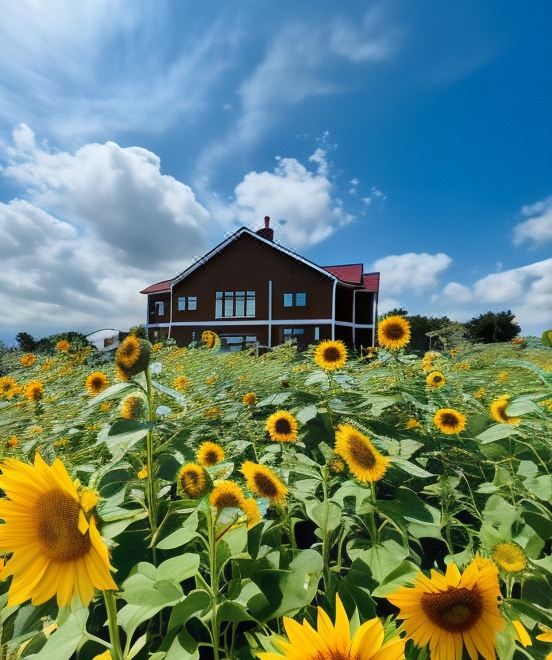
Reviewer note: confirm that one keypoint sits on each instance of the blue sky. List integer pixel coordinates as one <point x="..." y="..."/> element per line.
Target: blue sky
<point x="414" y="137"/>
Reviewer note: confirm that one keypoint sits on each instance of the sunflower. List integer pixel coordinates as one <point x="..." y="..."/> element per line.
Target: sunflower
<point x="546" y="636"/>
<point x="209" y="453"/>
<point x="181" y="383"/>
<point x="96" y="382"/>
<point x="8" y="387"/>
<point x="251" y="511"/>
<point x="394" y="332"/>
<point x="449" y="421"/>
<point x="451" y="611"/>
<point x="483" y="562"/>
<point x="226" y="495"/>
<point x="12" y="442"/>
<point x="498" y="411"/>
<point x="334" y="640"/>
<point x="336" y="465"/>
<point x="50" y="528"/>
<point x="131" y="407"/>
<point x="509" y="556"/>
<point x="132" y="356"/>
<point x="521" y="633"/>
<point x="364" y="461"/>
<point x="282" y="426"/>
<point x="249" y="399"/>
<point x="435" y="379"/>
<point x="192" y="479"/>
<point x="27" y="360"/>
<point x="121" y="374"/>
<point x="263" y="482"/>
<point x="63" y="345"/>
<point x="34" y="391"/>
<point x="480" y="393"/>
<point x="105" y="406"/>
<point x="210" y="339"/>
<point x="330" y="354"/>
<point x="142" y="472"/>
<point x="412" y="423"/>
<point x="212" y="413"/>
<point x="106" y="655"/>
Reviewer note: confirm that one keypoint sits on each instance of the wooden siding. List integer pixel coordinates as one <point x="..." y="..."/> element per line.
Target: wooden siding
<point x="247" y="264"/>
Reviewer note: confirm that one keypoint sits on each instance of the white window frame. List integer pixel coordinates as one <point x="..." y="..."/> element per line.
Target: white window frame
<point x="294" y="295"/>
<point x="186" y="302"/>
<point x="159" y="307"/>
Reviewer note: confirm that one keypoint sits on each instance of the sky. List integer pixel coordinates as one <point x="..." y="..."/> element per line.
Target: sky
<point x="415" y="138"/>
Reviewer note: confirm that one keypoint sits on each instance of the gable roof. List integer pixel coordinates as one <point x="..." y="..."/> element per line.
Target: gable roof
<point x="371" y="281"/>
<point x="345" y="274"/>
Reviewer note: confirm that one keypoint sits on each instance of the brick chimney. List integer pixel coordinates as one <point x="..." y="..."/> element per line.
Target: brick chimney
<point x="266" y="231"/>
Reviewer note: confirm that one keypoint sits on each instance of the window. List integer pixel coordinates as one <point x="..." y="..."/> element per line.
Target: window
<point x="291" y="333"/>
<point x="187" y="303"/>
<point x="233" y="343"/>
<point x="295" y="299"/>
<point x="159" y="308"/>
<point x="234" y="304"/>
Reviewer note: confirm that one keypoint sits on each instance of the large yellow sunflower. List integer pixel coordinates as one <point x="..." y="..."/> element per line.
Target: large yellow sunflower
<point x="226" y="495"/>
<point x="192" y="480"/>
<point x="34" y="391"/>
<point x="333" y="642"/>
<point x="210" y="339"/>
<point x="209" y="453"/>
<point x="330" y="354"/>
<point x="263" y="482"/>
<point x="435" y="379"/>
<point x="282" y="426"/>
<point x="251" y="511"/>
<point x="132" y="356"/>
<point x="131" y="407"/>
<point x="50" y="528"/>
<point x="393" y="332"/>
<point x="509" y="556"/>
<point x="449" y="421"/>
<point x="498" y="411"/>
<point x="96" y="382"/>
<point x="63" y="345"/>
<point x="453" y="611"/>
<point x="364" y="461"/>
<point x="27" y="360"/>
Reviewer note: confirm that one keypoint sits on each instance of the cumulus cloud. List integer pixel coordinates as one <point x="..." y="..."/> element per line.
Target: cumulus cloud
<point x="526" y="290"/>
<point x="300" y="201"/>
<point x="95" y="226"/>
<point x="538" y="226"/>
<point x="411" y="271"/>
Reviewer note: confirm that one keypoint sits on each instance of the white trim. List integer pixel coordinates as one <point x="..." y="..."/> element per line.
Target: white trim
<point x="347" y="324"/>
<point x="275" y="322"/>
<point x="333" y="307"/>
<point x="354" y="317"/>
<point x="269" y="342"/>
<point x="237" y="234"/>
<point x="170" y="316"/>
<point x="375" y="316"/>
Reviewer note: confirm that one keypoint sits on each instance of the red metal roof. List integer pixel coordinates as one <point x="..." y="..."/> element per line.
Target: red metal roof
<point x="371" y="281"/>
<point x="159" y="287"/>
<point x="347" y="272"/>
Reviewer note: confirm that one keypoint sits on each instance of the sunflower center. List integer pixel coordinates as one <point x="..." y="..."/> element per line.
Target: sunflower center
<point x="394" y="331"/>
<point x="437" y="379"/>
<point x="265" y="485"/>
<point x="448" y="419"/>
<point x="454" y="610"/>
<point x="334" y="655"/>
<point x="227" y="501"/>
<point x="332" y="354"/>
<point x="211" y="457"/>
<point x="362" y="454"/>
<point x="282" y="426"/>
<point x="501" y="410"/>
<point x="57" y="527"/>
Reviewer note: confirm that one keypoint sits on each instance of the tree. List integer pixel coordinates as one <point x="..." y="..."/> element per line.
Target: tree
<point x="26" y="342"/>
<point x="492" y="327"/>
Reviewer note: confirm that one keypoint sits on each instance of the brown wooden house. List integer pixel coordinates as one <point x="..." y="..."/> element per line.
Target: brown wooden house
<point x="249" y="289"/>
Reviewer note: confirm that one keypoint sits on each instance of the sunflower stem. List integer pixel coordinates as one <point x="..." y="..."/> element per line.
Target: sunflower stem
<point x="111" y="608"/>
<point x="373" y="526"/>
<point x="325" y="536"/>
<point x="152" y="502"/>
<point x="213" y="579"/>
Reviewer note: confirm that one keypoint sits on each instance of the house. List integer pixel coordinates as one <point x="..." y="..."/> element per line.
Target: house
<point x="251" y="290"/>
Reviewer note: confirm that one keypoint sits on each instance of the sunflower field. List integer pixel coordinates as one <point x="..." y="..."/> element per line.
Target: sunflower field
<point x="185" y="503"/>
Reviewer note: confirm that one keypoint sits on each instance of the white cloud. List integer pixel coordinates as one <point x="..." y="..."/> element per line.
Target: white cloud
<point x="293" y="194"/>
<point x="526" y="290"/>
<point x="386" y="304"/>
<point x="538" y="227"/>
<point x="82" y="69"/>
<point x="97" y="225"/>
<point x="457" y="293"/>
<point x="411" y="271"/>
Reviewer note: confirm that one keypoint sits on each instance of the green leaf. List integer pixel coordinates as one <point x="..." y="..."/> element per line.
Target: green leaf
<point x="111" y="392"/>
<point x="274" y="399"/>
<point x="522" y="406"/>
<point x="63" y="643"/>
<point x="540" y="487"/>
<point x="382" y="559"/>
<point x="410" y="468"/>
<point x="196" y="601"/>
<point x="316" y="511"/>
<point x="234" y="612"/>
<point x="496" y="432"/>
<point x="181" y="536"/>
<point x="307" y="413"/>
<point x="177" y="569"/>
<point x="402" y="575"/>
